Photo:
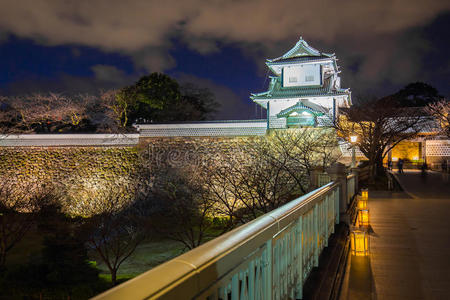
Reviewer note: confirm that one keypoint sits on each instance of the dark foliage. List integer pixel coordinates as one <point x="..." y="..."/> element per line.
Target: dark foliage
<point x="159" y="98"/>
<point x="417" y="94"/>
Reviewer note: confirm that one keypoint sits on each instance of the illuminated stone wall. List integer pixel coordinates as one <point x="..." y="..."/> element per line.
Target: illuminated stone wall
<point x="179" y="151"/>
<point x="80" y="175"/>
<point x="83" y="176"/>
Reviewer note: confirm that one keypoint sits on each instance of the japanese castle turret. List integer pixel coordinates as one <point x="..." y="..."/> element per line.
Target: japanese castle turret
<point x="304" y="90"/>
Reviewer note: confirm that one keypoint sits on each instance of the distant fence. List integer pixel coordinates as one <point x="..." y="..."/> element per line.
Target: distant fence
<point x="56" y="140"/>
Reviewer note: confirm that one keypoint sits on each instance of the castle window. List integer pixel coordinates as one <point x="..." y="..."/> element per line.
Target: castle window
<point x="302" y="75"/>
<point x="309" y="78"/>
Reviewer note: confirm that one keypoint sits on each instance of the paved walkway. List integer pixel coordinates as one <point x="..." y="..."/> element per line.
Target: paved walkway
<point x="409" y="243"/>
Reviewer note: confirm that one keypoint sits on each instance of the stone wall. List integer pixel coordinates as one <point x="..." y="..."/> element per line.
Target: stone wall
<point x="80" y="175"/>
<point x="83" y="176"/>
<point x="181" y="151"/>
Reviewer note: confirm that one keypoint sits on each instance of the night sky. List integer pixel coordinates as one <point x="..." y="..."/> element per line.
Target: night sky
<point x="83" y="46"/>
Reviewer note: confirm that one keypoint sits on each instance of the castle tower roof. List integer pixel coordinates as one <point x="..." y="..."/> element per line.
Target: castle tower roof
<point x="301" y="51"/>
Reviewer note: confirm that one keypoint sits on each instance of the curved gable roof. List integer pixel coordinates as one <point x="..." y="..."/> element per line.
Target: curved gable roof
<point x="301" y="50"/>
<point x="302" y="105"/>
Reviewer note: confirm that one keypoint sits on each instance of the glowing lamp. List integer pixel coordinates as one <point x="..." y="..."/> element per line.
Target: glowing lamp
<point x="362" y="204"/>
<point x="353" y="139"/>
<point x="363" y="217"/>
<point x="415" y="158"/>
<point x="365" y="194"/>
<point x="394" y="158"/>
<point x="359" y="242"/>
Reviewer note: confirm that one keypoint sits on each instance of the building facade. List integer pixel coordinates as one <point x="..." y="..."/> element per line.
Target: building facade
<point x="304" y="89"/>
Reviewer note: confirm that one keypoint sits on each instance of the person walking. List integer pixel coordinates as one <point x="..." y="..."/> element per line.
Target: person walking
<point x="424" y="170"/>
<point x="400" y="166"/>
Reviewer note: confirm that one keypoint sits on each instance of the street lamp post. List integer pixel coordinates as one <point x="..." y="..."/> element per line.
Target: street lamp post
<point x="353" y="139"/>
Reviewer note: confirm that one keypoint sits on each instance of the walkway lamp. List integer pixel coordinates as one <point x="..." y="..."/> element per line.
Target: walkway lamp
<point x="359" y="240"/>
<point x="365" y="194"/>
<point x="363" y="217"/>
<point x="362" y="203"/>
<point x="353" y="140"/>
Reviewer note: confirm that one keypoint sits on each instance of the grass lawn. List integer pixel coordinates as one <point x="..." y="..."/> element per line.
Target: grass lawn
<point x="147" y="255"/>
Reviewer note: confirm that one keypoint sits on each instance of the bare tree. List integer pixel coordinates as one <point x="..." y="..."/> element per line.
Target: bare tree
<point x="267" y="172"/>
<point x="9" y="117"/>
<point x="43" y="112"/>
<point x="117" y="108"/>
<point x="186" y="206"/>
<point x="17" y="214"/>
<point x="441" y="112"/>
<point x="300" y="151"/>
<point x="380" y="125"/>
<point x="54" y="112"/>
<point x="115" y="233"/>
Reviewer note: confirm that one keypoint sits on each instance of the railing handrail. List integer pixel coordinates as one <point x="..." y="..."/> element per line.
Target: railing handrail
<point x="183" y="269"/>
<point x="350" y="176"/>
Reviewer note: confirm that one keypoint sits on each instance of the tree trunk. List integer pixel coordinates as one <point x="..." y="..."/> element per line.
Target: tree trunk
<point x="379" y="165"/>
<point x="372" y="173"/>
<point x="113" y="277"/>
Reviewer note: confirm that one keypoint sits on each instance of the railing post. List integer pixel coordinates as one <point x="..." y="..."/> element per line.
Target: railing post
<point x="327" y="221"/>
<point x="268" y="289"/>
<point x="338" y="173"/>
<point x="356" y="172"/>
<point x="316" y="234"/>
<point x="299" y="287"/>
<point x="314" y="179"/>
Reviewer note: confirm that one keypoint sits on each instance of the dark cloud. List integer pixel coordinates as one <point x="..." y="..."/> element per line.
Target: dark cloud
<point x="105" y="77"/>
<point x="107" y="73"/>
<point x="371" y="36"/>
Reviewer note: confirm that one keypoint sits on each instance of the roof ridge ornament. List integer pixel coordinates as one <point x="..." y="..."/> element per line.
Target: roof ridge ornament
<point x="301" y="49"/>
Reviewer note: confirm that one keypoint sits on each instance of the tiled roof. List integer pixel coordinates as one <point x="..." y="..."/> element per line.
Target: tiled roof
<point x="301" y="49"/>
<point x="297" y="59"/>
<point x="278" y="91"/>
<point x="324" y="121"/>
<point x="303" y="104"/>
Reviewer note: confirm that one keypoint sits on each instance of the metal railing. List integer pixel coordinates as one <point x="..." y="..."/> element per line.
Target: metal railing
<point x="322" y="179"/>
<point x="268" y="258"/>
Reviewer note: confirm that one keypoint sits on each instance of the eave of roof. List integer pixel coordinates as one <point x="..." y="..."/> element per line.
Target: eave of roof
<point x="277" y="91"/>
<point x="299" y="60"/>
